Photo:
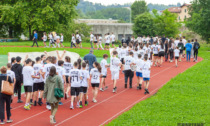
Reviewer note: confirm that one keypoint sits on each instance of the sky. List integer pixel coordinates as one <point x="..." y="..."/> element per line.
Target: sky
<point x="166" y="2"/>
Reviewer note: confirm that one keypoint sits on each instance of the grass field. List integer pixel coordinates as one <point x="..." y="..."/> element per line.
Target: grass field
<point x="184" y="99"/>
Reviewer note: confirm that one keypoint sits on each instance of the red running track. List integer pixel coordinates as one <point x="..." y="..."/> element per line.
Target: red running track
<point x="109" y="106"/>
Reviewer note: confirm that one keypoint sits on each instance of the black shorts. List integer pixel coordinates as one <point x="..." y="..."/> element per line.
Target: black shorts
<point x="75" y="91"/>
<point x="83" y="90"/>
<point x="104" y="76"/>
<point x="176" y="57"/>
<point x="181" y="52"/>
<point x="95" y="84"/>
<point x="107" y="44"/>
<point x="78" y="42"/>
<point x="129" y="73"/>
<point x="61" y="41"/>
<point x="122" y="61"/>
<point x="184" y="48"/>
<point x="67" y="79"/>
<point x="155" y="54"/>
<point x="38" y="86"/>
<point x="160" y="54"/>
<point x="95" y="41"/>
<point x="28" y="88"/>
<point x="113" y="42"/>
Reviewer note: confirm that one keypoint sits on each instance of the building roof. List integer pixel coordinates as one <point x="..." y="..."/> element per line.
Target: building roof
<point x="185" y="5"/>
<point x="175" y="9"/>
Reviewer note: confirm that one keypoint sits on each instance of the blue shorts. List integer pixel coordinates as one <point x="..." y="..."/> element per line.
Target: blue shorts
<point x="138" y="74"/>
<point x="146" y="79"/>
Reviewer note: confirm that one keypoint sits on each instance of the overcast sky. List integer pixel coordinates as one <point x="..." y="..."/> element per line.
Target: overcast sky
<point x="166" y="2"/>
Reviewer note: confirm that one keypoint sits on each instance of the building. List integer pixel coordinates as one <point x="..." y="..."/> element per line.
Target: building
<point x="103" y="26"/>
<point x="182" y="12"/>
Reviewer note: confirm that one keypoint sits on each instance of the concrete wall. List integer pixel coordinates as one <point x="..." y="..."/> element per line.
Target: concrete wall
<point x="119" y="29"/>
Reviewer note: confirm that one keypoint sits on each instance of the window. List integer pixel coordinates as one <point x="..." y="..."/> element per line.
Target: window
<point x="185" y="10"/>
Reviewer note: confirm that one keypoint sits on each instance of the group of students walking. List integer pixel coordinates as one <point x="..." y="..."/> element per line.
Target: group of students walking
<point x="41" y="77"/>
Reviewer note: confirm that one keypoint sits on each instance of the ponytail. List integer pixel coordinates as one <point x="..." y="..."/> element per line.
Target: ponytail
<point x="98" y="66"/>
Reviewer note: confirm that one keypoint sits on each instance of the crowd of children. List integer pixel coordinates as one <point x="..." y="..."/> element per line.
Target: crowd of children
<point x="134" y="59"/>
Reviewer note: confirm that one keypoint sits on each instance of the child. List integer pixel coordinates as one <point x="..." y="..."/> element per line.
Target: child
<point x="177" y="55"/>
<point x="181" y="48"/>
<point x="135" y="53"/>
<point x="129" y="60"/>
<point x="107" y="41"/>
<point x="73" y="41"/>
<point x="57" y="41"/>
<point x="96" y="41"/>
<point x="155" y="50"/>
<point x="139" y="63"/>
<point x="100" y="42"/>
<point x="95" y="79"/>
<point x="75" y="77"/>
<point x="141" y="51"/>
<point x="45" y="73"/>
<point x="80" y="40"/>
<point x="61" y="72"/>
<point x="77" y="40"/>
<point x="44" y="38"/>
<point x="28" y="75"/>
<point x="84" y="84"/>
<point x="11" y="74"/>
<point x="38" y="83"/>
<point x="104" y="67"/>
<point x="115" y="64"/>
<point x="195" y="48"/>
<point x="146" y="73"/>
<point x="62" y="40"/>
<point x="122" y="54"/>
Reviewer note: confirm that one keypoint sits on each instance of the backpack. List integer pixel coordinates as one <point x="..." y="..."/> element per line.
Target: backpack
<point x="196" y="46"/>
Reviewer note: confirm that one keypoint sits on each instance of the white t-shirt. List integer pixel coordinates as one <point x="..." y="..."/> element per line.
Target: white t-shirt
<point x="91" y="37"/>
<point x="176" y="42"/>
<point x="73" y="39"/>
<point x="67" y="67"/>
<point x="85" y="75"/>
<point x="155" y="49"/>
<point x="113" y="38"/>
<point x="100" y="39"/>
<point x="61" y="38"/>
<point x="139" y="64"/>
<point x="37" y="68"/>
<point x="107" y="39"/>
<point x="176" y="52"/>
<point x="27" y="72"/>
<point x="58" y="37"/>
<point x="128" y="60"/>
<point x="11" y="74"/>
<point x="45" y="38"/>
<point x="103" y="67"/>
<point x="118" y="51"/>
<point x="46" y="70"/>
<point x="142" y="53"/>
<point x="75" y="75"/>
<point x="139" y="39"/>
<point x="146" y="69"/>
<point x="123" y="53"/>
<point x="50" y="36"/>
<point x="115" y="64"/>
<point x="80" y="38"/>
<point x="60" y="70"/>
<point x="162" y="49"/>
<point x="95" y="76"/>
<point x="135" y="54"/>
<point x="77" y="36"/>
<point x="184" y="41"/>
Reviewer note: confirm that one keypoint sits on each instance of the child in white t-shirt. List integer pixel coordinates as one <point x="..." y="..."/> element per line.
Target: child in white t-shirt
<point x="44" y="38"/>
<point x="95" y="74"/>
<point x="139" y="62"/>
<point x="104" y="66"/>
<point x="146" y="73"/>
<point x="176" y="54"/>
<point x="61" y="40"/>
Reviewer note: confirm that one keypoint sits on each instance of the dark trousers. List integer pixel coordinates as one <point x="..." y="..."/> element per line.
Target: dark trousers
<point x="196" y="54"/>
<point x="91" y="43"/>
<point x="72" y="44"/>
<point x="128" y="74"/>
<point x="35" y="42"/>
<point x="171" y="54"/>
<point x="166" y="56"/>
<point x="18" y="89"/>
<point x="5" y="99"/>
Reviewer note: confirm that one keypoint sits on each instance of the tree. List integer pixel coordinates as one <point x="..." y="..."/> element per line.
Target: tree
<point x="144" y="25"/>
<point x="200" y="18"/>
<point x="41" y="15"/>
<point x="138" y="7"/>
<point x="166" y="23"/>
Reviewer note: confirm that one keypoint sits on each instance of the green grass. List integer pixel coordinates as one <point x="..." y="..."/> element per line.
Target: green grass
<point x="184" y="99"/>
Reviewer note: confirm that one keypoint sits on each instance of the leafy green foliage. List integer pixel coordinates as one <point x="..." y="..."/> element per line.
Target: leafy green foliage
<point x="138" y="7"/>
<point x="144" y="25"/>
<point x="200" y="18"/>
<point x="184" y="99"/>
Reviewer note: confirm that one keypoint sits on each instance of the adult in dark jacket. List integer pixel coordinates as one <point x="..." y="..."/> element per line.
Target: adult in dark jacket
<point x="4" y="98"/>
<point x="128" y="40"/>
<point x="196" y="46"/>
<point x="91" y="59"/>
<point x="17" y="69"/>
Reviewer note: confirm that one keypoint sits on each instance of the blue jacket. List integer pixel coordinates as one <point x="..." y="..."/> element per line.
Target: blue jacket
<point x="188" y="46"/>
<point x="91" y="59"/>
<point x="36" y="36"/>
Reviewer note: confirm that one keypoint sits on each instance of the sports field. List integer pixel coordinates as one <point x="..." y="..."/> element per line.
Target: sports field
<point x="177" y="95"/>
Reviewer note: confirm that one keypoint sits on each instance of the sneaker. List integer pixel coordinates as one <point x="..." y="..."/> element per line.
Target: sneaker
<point x="86" y="103"/>
<point x="130" y="86"/>
<point x="60" y="103"/>
<point x="101" y="89"/>
<point x="115" y="90"/>
<point x="48" y="107"/>
<point x="147" y="91"/>
<point x="35" y="103"/>
<point x="72" y="107"/>
<point x="94" y="100"/>
<point x="106" y="88"/>
<point x="125" y="85"/>
<point x="2" y="123"/>
<point x="27" y="107"/>
<point x="52" y="121"/>
<point x="39" y="103"/>
<point x="31" y="103"/>
<point x="19" y="101"/>
<point x="80" y="106"/>
<point x="9" y="121"/>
